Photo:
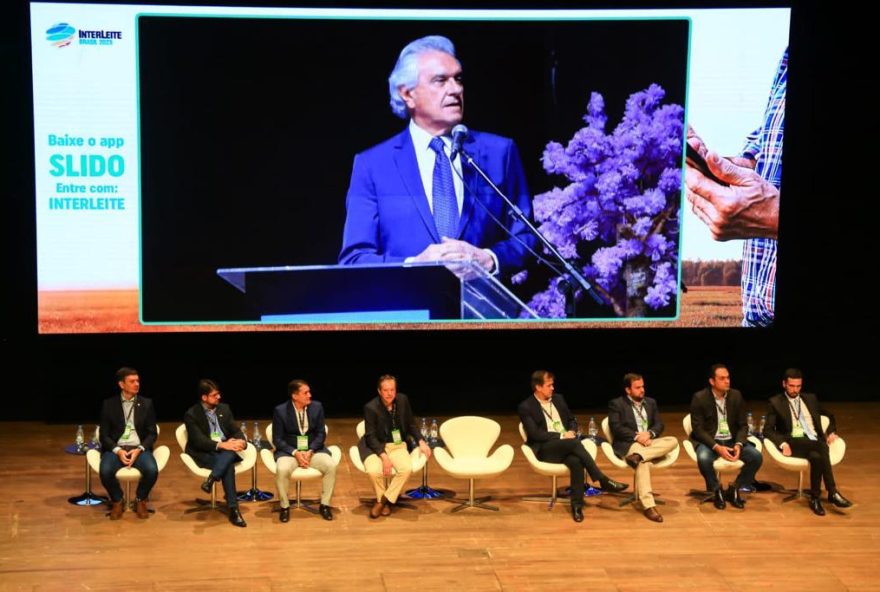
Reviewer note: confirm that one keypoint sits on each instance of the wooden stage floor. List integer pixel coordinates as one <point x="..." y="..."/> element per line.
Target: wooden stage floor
<point x="48" y="544"/>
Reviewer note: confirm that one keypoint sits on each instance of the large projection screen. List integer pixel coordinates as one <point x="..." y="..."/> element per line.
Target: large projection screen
<point x="216" y="168"/>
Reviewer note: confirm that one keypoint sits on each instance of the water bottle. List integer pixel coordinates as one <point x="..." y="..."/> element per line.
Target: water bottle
<point x="257" y="439"/>
<point x="592" y="430"/>
<point x="434" y="431"/>
<point x="750" y="423"/>
<point x="423" y="429"/>
<point x="80" y="439"/>
<point x="96" y="438"/>
<point x="761" y="426"/>
<point x="244" y="431"/>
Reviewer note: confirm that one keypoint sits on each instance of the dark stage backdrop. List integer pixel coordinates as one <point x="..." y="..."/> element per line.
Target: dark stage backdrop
<point x="827" y="310"/>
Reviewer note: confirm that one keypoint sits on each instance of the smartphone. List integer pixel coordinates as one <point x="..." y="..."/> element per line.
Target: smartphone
<point x="695" y="160"/>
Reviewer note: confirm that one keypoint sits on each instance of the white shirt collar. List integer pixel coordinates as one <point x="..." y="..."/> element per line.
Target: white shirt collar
<point x="422" y="139"/>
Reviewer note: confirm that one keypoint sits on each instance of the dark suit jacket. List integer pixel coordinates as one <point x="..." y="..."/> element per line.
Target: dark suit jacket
<point x="113" y="422"/>
<point x="622" y="422"/>
<point x="778" y="427"/>
<point x="704" y="417"/>
<point x="285" y="429"/>
<point x="377" y="426"/>
<point x="387" y="213"/>
<point x="533" y="419"/>
<point x="199" y="444"/>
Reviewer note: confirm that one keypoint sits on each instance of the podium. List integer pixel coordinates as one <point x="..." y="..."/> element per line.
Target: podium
<point x="376" y="293"/>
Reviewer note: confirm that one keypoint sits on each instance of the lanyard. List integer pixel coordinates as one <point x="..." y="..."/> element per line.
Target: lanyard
<point x="722" y="409"/>
<point x="797" y="412"/>
<point x="393" y="414"/>
<point x="641" y="412"/>
<point x="301" y="419"/>
<point x="130" y="412"/>
<point x="549" y="415"/>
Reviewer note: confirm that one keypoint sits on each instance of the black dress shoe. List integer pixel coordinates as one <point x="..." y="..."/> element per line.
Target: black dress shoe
<point x="718" y="499"/>
<point x="734" y="497"/>
<point x="325" y="512"/>
<point x="612" y="485"/>
<point x="208" y="484"/>
<point x="816" y="506"/>
<point x="577" y="512"/>
<point x="838" y="500"/>
<point x="235" y="518"/>
<point x="633" y="460"/>
<point x="285" y="514"/>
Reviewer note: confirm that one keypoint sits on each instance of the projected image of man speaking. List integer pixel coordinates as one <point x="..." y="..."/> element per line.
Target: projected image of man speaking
<point x="414" y="198"/>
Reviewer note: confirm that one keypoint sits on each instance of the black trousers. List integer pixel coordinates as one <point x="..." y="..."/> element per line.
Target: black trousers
<point x="573" y="455"/>
<point x="816" y="453"/>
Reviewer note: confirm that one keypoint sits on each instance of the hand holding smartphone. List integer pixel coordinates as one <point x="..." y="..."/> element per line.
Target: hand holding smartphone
<point x="696" y="160"/>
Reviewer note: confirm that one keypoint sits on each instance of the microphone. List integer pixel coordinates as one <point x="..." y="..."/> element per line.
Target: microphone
<point x="459" y="135"/>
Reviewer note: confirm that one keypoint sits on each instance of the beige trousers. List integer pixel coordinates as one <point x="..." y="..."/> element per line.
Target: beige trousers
<point x="321" y="461"/>
<point x="402" y="464"/>
<point x="659" y="448"/>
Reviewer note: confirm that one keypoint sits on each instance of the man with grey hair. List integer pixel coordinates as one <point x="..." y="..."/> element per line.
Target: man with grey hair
<point x="411" y="199"/>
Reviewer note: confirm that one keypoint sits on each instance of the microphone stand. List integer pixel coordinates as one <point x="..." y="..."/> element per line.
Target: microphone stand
<point x="571" y="269"/>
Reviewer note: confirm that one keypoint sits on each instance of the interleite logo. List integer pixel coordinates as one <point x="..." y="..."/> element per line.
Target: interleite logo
<point x="60" y="35"/>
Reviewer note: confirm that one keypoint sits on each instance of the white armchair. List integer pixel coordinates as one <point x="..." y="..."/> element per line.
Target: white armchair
<point x="299" y="474"/>
<point x="129" y="475"/>
<point x="548" y="469"/>
<point x="836" y="450"/>
<point x="660" y="463"/>
<point x="468" y="440"/>
<point x="720" y="465"/>
<point x="417" y="458"/>
<point x="248" y="459"/>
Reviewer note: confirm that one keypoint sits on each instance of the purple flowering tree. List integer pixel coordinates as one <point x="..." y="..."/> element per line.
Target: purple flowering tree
<point x="618" y="217"/>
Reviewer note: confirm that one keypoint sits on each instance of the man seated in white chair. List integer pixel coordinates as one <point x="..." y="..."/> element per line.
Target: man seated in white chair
<point x="298" y="434"/>
<point x="213" y="441"/>
<point x="793" y="424"/>
<point x="635" y="424"/>
<point x="389" y="430"/>
<point x="719" y="429"/>
<point x="128" y="432"/>
<point x="550" y="432"/>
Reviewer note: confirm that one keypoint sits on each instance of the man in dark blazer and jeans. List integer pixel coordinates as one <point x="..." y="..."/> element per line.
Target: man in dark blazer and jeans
<point x="551" y="432"/>
<point x="213" y="441"/>
<point x="128" y="432"/>
<point x="719" y="428"/>
<point x="298" y="434"/>
<point x="794" y="425"/>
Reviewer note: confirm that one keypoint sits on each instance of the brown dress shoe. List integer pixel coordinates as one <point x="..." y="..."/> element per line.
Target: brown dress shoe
<point x="653" y="515"/>
<point x="378" y="508"/>
<point x="116" y="510"/>
<point x="386" y="508"/>
<point x="140" y="508"/>
<point x="633" y="460"/>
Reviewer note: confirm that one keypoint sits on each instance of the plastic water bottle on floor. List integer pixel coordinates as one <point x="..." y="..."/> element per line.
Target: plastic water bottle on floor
<point x="592" y="430"/>
<point x="761" y="426"/>
<point x="80" y="439"/>
<point x="258" y="440"/>
<point x="750" y="423"/>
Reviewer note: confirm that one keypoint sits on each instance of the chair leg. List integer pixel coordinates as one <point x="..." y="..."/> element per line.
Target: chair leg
<point x="471" y="501"/>
<point x="303" y="504"/>
<point x="204" y="505"/>
<point x="549" y="500"/>
<point x="796" y="493"/>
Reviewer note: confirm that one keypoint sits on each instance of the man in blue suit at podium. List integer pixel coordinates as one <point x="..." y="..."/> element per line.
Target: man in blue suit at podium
<point x="411" y="200"/>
